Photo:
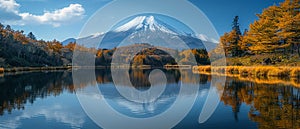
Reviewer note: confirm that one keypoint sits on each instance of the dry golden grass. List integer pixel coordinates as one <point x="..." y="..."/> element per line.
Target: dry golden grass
<point x="295" y="72"/>
<point x="259" y="74"/>
<point x="258" y="71"/>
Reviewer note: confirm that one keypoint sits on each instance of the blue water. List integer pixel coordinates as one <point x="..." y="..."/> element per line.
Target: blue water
<point x="48" y="100"/>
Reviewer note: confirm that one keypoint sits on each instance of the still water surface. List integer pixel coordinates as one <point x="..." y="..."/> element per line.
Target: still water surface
<point x="48" y="100"/>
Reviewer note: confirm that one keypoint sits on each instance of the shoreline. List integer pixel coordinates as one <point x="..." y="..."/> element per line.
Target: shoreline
<point x="54" y="68"/>
<point x="253" y="71"/>
<point x="258" y="74"/>
<point x="25" y="69"/>
<point x="259" y="71"/>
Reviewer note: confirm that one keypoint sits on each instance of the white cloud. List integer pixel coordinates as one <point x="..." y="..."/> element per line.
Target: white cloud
<point x="57" y="17"/>
<point x="9" y="5"/>
<point x="57" y="112"/>
<point x="9" y="12"/>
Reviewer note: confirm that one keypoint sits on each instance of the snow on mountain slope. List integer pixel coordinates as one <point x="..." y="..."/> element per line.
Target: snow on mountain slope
<point x="144" y="23"/>
<point x="143" y="29"/>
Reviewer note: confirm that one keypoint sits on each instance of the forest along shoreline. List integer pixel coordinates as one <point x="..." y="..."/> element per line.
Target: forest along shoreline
<point x="269" y="49"/>
<point x="266" y="53"/>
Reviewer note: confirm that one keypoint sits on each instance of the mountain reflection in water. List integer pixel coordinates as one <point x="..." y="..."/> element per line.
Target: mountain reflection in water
<point x="247" y="104"/>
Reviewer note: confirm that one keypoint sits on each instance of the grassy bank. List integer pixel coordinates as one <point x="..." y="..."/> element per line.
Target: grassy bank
<point x="258" y="74"/>
<point x="257" y="71"/>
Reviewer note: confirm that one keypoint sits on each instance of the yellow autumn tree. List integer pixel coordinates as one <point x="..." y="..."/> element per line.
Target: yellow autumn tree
<point x="277" y="29"/>
<point x="262" y="36"/>
<point x="229" y="42"/>
<point x="289" y="24"/>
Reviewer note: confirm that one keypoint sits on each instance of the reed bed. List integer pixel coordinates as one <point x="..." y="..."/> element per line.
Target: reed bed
<point x="259" y="74"/>
<point x="259" y="71"/>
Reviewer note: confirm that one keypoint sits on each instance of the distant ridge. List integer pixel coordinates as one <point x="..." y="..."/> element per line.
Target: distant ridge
<point x="67" y="41"/>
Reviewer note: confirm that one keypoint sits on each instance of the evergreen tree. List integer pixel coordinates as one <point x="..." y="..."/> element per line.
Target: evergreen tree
<point x="8" y="28"/>
<point x="31" y="36"/>
<point x="236" y="25"/>
<point x="231" y="41"/>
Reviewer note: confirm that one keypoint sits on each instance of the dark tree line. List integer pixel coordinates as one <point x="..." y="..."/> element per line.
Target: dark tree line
<point x="19" y="50"/>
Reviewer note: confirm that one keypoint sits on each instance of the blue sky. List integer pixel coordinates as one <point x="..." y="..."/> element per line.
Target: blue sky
<point x="52" y="19"/>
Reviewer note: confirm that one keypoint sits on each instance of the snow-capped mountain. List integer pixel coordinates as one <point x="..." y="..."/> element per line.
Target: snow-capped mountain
<point x="145" y="23"/>
<point x="142" y="29"/>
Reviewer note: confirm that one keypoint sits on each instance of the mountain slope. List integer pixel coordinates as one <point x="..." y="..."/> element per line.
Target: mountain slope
<point x="67" y="41"/>
<point x="143" y="29"/>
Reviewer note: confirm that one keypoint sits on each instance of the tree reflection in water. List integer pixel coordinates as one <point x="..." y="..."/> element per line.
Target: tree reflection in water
<point x="271" y="106"/>
<point x="17" y="90"/>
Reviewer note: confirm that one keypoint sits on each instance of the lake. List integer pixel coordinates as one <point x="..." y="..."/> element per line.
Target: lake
<point x="48" y="100"/>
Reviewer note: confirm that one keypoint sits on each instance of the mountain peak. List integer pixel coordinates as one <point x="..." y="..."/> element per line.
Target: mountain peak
<point x="145" y="23"/>
<point x="149" y="20"/>
<point x="148" y="23"/>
